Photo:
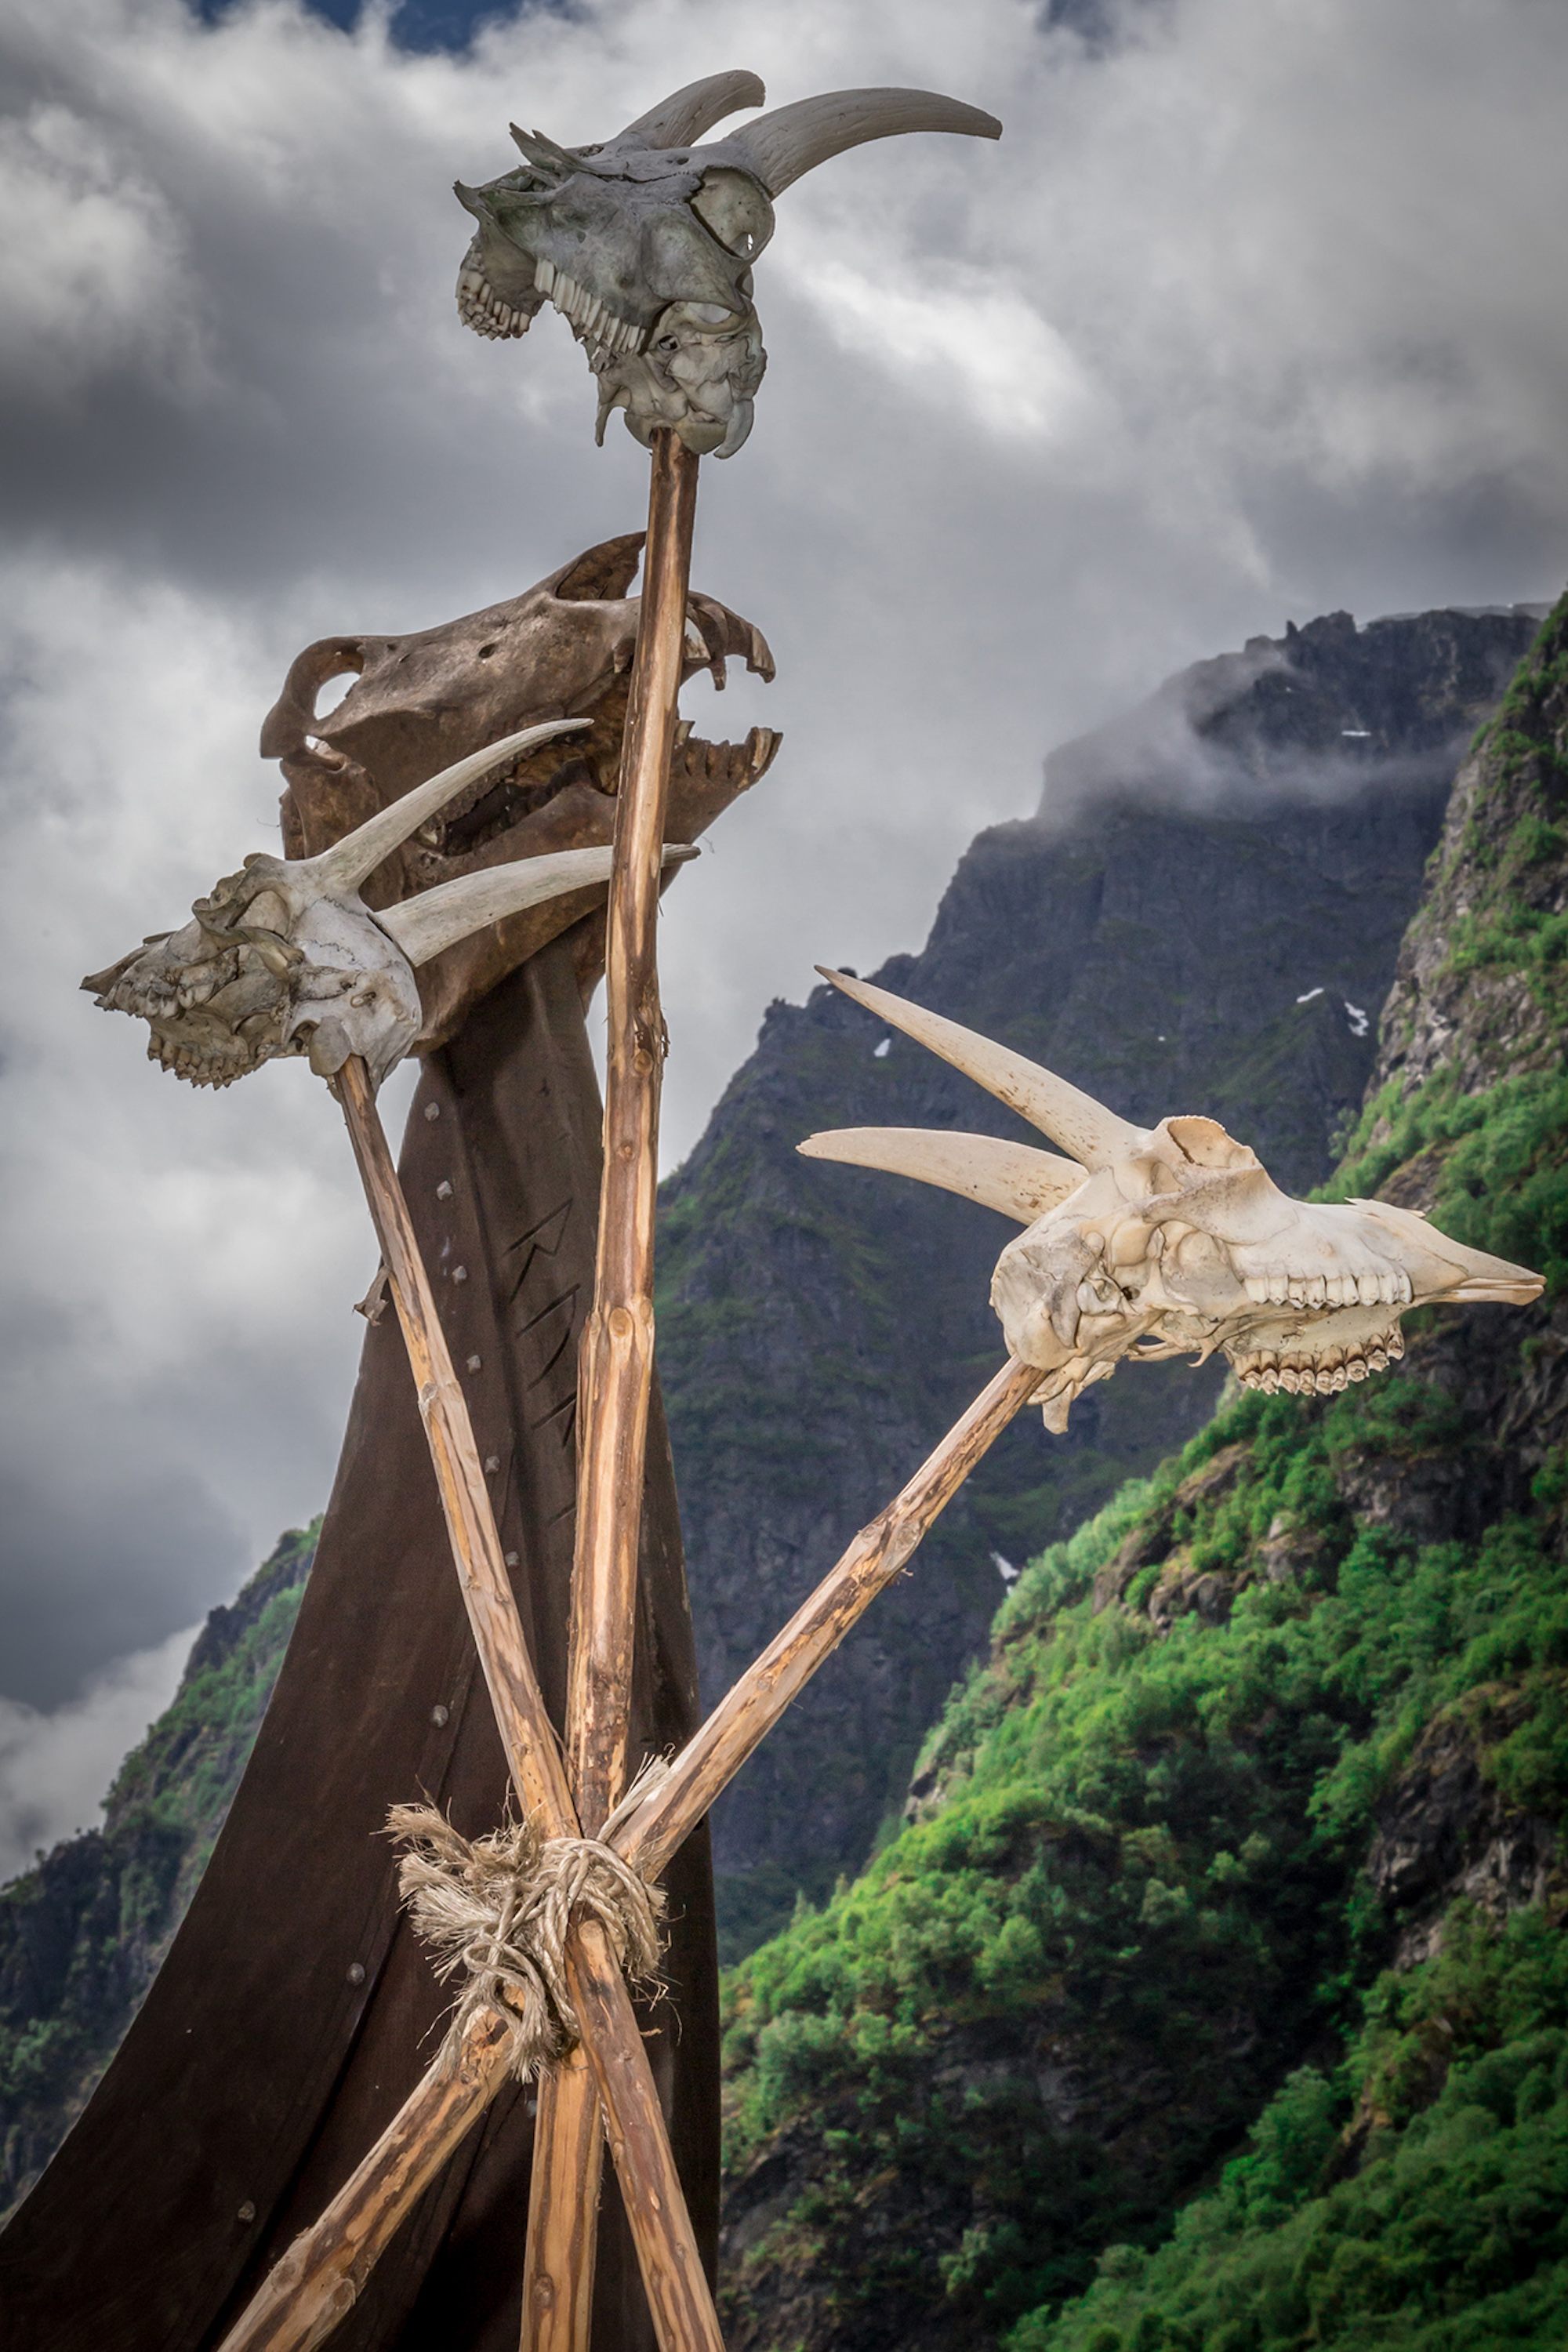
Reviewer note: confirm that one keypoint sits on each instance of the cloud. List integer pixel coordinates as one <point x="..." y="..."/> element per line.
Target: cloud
<point x="55" y="1767"/>
<point x="1248" y="317"/>
<point x="91" y="272"/>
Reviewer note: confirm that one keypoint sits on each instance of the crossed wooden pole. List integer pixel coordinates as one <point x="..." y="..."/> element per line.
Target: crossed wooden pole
<point x="605" y="2087"/>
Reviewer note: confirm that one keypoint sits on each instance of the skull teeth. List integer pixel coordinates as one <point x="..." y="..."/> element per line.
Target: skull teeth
<point x="1325" y="1375"/>
<point x="592" y="318"/>
<point x="1280" y="1288"/>
<point x="740" y="765"/>
<point x="481" y="308"/>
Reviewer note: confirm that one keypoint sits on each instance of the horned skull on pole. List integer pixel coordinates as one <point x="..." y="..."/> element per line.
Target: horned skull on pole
<point x="285" y="958"/>
<point x="645" y="242"/>
<point x="1150" y="1242"/>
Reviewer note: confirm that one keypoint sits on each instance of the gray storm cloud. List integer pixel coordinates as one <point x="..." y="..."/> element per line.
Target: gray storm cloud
<point x="1251" y="315"/>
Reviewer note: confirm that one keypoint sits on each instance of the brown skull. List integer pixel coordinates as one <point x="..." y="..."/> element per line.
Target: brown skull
<point x="563" y="649"/>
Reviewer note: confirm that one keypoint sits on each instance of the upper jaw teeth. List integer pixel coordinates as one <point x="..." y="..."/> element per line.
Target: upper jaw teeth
<point x="594" y="320"/>
<point x="483" y="309"/>
<point x="1279" y="1287"/>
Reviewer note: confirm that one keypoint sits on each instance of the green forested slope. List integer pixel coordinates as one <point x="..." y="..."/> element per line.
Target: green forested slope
<point x="81" y="1935"/>
<point x="818" y="1326"/>
<point x="1217" y="1996"/>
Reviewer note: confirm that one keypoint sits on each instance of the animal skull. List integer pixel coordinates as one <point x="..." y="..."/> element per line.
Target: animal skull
<point x="1148" y="1242"/>
<point x="646" y="243"/>
<point x="427" y="698"/>
<point x="286" y="957"/>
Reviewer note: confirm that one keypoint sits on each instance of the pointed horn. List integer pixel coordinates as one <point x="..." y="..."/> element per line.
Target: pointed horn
<point x="538" y="149"/>
<point x="438" y="919"/>
<point x="1446" y="1269"/>
<point x="1086" y="1131"/>
<point x="779" y="148"/>
<point x="345" y="865"/>
<point x="1015" y="1178"/>
<point x="687" y="113"/>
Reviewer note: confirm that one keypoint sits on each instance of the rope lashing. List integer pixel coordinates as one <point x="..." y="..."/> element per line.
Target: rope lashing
<point x="500" y="1908"/>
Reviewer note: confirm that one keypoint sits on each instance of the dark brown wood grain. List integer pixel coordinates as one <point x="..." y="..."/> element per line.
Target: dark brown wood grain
<point x="297" y="2012"/>
<point x="318" y="2279"/>
<point x="651" y="1837"/>
<point x="532" y="1757"/>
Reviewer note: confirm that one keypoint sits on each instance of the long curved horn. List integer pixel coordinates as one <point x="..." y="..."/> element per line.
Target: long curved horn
<point x="1090" y="1133"/>
<point x="687" y="113"/>
<point x="438" y="919"/>
<point x="779" y="148"/>
<point x="1015" y="1178"/>
<point x="345" y="865"/>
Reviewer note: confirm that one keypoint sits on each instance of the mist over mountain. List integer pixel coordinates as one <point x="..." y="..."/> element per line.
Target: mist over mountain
<point x="1213" y="1997"/>
<point x="1205" y="914"/>
<point x="1222" y="943"/>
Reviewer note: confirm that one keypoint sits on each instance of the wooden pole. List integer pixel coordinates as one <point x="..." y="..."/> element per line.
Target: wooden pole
<point x="615" y="1360"/>
<point x="614" y="1373"/>
<point x="370" y="2206"/>
<point x="710" y="1760"/>
<point x="318" y="2282"/>
<point x="326" y="2263"/>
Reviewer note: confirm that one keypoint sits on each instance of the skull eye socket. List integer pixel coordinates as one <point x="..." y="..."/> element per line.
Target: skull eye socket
<point x="737" y="212"/>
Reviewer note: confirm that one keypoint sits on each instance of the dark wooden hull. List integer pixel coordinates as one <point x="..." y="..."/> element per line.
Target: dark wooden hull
<point x="295" y="2012"/>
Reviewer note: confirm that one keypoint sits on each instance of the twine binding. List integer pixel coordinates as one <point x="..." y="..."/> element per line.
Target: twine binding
<point x="500" y="1908"/>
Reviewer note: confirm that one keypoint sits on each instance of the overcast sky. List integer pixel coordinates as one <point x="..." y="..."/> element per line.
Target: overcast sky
<point x="1255" y="312"/>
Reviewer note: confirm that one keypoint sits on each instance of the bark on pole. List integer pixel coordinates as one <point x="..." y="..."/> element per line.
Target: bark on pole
<point x="369" y="2208"/>
<point x="615" y="1372"/>
<point x="317" y="2281"/>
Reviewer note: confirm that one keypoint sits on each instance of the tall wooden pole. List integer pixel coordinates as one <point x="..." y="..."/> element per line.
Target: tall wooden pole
<point x="345" y="2241"/>
<point x="318" y="2279"/>
<point x="614" y="1374"/>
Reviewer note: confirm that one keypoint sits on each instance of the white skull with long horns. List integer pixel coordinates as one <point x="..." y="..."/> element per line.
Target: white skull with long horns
<point x="285" y="958"/>
<point x="645" y="242"/>
<point x="1152" y="1241"/>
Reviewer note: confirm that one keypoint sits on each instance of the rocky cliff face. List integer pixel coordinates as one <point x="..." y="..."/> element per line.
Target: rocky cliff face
<point x="1216" y="1992"/>
<point x="1217" y="928"/>
<point x="1207" y="913"/>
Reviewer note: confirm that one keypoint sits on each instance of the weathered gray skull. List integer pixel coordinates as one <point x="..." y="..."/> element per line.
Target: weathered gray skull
<point x="430" y="697"/>
<point x="646" y="243"/>
<point x="284" y="957"/>
<point x="1150" y="1242"/>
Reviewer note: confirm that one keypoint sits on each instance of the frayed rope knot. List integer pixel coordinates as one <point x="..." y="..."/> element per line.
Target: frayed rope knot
<point x="501" y="1907"/>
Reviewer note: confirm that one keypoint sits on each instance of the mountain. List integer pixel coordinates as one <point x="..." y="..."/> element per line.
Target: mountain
<point x="1205" y="913"/>
<point x="1242" y="851"/>
<point x="1215" y="1992"/>
<point x="81" y="1935"/>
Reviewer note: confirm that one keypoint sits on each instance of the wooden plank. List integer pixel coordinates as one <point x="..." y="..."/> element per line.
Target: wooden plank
<point x="324" y="2269"/>
<point x="319" y="2280"/>
<point x="527" y="1734"/>
<point x="651" y="1834"/>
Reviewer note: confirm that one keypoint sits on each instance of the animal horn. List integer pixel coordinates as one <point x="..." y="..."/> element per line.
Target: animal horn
<point x="1090" y="1133"/>
<point x="348" y="862"/>
<point x="687" y="113"/>
<point x="1015" y="1178"/>
<point x="438" y="919"/>
<point x="779" y="148"/>
<point x="546" y="156"/>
